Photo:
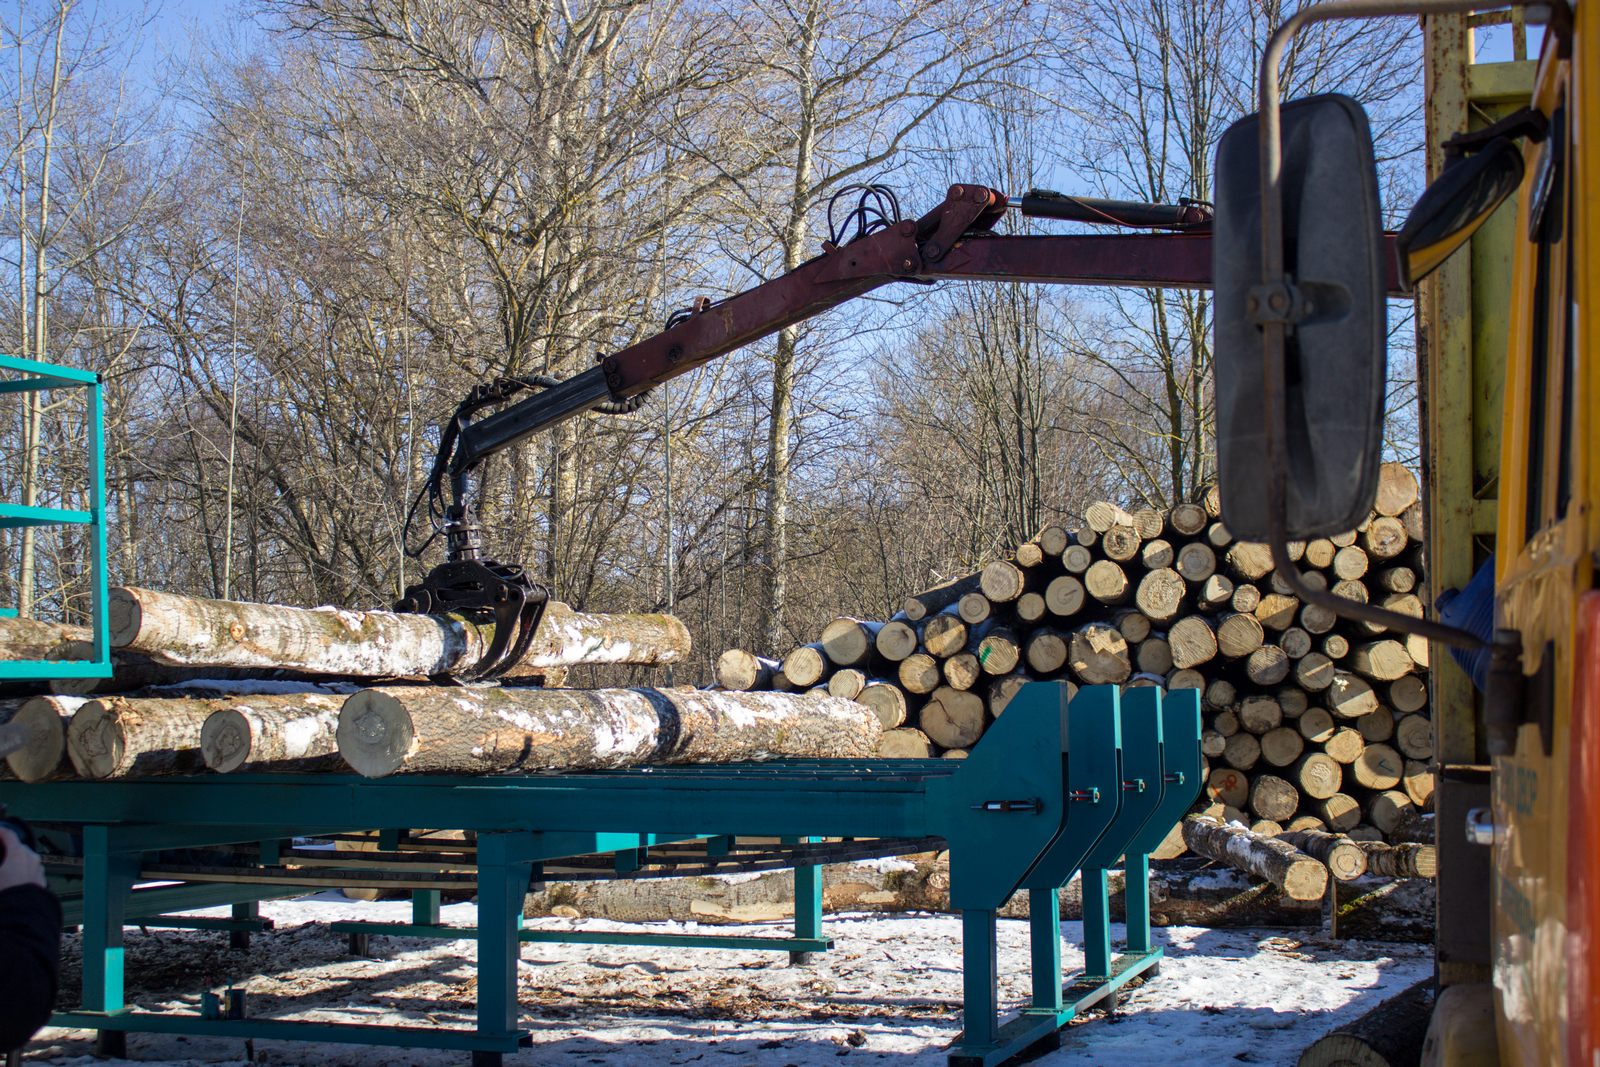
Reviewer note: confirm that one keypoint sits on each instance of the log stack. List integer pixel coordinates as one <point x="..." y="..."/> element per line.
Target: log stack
<point x="1312" y="722"/>
<point x="222" y="686"/>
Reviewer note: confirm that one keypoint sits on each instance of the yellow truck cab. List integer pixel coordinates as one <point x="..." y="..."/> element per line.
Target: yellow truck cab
<point x="1503" y="254"/>
<point x="1545" y="776"/>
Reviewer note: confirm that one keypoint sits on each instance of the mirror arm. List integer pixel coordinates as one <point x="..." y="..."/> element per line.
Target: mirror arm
<point x="1275" y="320"/>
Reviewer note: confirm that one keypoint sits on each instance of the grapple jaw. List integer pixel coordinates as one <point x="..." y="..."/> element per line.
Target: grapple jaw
<point x="484" y="591"/>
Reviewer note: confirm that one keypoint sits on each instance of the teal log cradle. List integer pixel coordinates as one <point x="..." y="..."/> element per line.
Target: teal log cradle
<point x="1048" y="789"/>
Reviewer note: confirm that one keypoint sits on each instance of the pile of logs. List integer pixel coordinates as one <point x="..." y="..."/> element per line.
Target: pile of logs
<point x="1312" y="722"/>
<point x="210" y="685"/>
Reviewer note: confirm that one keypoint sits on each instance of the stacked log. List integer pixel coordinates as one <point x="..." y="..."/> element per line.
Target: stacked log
<point x="1312" y="721"/>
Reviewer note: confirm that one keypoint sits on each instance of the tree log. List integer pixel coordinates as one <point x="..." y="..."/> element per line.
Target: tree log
<point x="905" y="743"/>
<point x="1196" y="561"/>
<point x="1381" y="661"/>
<point x="919" y="673"/>
<point x="1388" y="809"/>
<point x="944" y="634"/>
<point x="1316" y="725"/>
<point x="953" y="718"/>
<point x="1345" y="859"/>
<point x="1349" y="697"/>
<point x="1273" y="798"/>
<point x="897" y="640"/>
<point x="1216" y="592"/>
<point x="1267" y="665"/>
<point x="1153" y="655"/>
<point x="1319" y="775"/>
<point x="999" y="651"/>
<point x="1339" y="811"/>
<point x="122" y="737"/>
<point x="1101" y="516"/>
<point x="189" y="631"/>
<point x="1231" y="787"/>
<point x="1193" y="641"/>
<point x="1404" y="860"/>
<point x="1053" y="540"/>
<point x="961" y="671"/>
<point x="1076" y="559"/>
<point x="1242" y="751"/>
<point x="1187" y="519"/>
<point x="1160" y="594"/>
<point x="43" y="721"/>
<point x="847" y="684"/>
<point x="1003" y="581"/>
<point x="1031" y="607"/>
<point x="1106" y="582"/>
<point x="806" y="666"/>
<point x="741" y="671"/>
<point x="1098" y="655"/>
<point x="271" y="735"/>
<point x="1120" y="543"/>
<point x="1390" y="1035"/>
<point x="1282" y="746"/>
<point x="848" y="642"/>
<point x="1273" y="860"/>
<point x="417" y="729"/>
<point x="1397" y="489"/>
<point x="1249" y="560"/>
<point x="1246" y="597"/>
<point x="932" y="601"/>
<point x="1380" y="767"/>
<point x="1345" y="746"/>
<point x="1064" y="596"/>
<point x="1156" y="554"/>
<point x="888" y="701"/>
<point x="974" y="608"/>
<point x="1260" y="713"/>
<point x="1238" y="635"/>
<point x="1413" y="735"/>
<point x="1376" y="727"/>
<point x="1002" y="689"/>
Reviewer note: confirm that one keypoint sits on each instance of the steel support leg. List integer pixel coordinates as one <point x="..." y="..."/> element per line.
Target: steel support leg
<point x="807" y="907"/>
<point x="980" y="978"/>
<point x="1044" y="931"/>
<point x="1096" y="925"/>
<point x="502" y="885"/>
<point x="425" y="907"/>
<point x="1136" y="902"/>
<point x="108" y="876"/>
<point x="240" y="939"/>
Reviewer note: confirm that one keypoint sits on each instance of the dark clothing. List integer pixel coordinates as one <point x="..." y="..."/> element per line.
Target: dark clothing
<point x="30" y="961"/>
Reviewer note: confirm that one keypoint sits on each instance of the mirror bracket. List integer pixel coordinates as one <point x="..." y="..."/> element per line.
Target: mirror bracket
<point x="1280" y="302"/>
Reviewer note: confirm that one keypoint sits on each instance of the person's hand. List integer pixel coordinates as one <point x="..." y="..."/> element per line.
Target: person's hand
<point x="21" y="865"/>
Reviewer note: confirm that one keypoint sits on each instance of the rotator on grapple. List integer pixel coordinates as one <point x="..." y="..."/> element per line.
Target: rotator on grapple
<point x="870" y="248"/>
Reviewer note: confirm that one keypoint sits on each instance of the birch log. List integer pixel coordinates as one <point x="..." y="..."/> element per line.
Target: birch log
<point x="135" y="737"/>
<point x="190" y="631"/>
<point x="271" y="736"/>
<point x="418" y="729"/>
<point x="1297" y="874"/>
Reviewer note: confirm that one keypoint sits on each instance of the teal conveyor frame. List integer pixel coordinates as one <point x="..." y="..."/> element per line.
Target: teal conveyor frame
<point x="1051" y="789"/>
<point x="28" y="376"/>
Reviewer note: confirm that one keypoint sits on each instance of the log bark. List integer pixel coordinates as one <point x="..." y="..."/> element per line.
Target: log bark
<point x="1345" y="859"/>
<point x="932" y="601"/>
<point x="741" y="671"/>
<point x="1272" y="860"/>
<point x="417" y="729"/>
<point x="1390" y="1035"/>
<point x="43" y="721"/>
<point x="36" y="639"/>
<point x="190" y="631"/>
<point x="1404" y="860"/>
<point x="271" y="735"/>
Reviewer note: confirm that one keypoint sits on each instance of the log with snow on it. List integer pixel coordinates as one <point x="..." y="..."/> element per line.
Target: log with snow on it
<point x="449" y="730"/>
<point x="270" y="736"/>
<point x="191" y="631"/>
<point x="1297" y="874"/>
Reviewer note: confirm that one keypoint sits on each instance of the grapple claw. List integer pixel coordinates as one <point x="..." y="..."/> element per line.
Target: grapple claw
<point x="488" y="591"/>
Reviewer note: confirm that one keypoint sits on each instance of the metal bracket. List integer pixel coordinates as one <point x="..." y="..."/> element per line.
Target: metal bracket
<point x="1280" y="302"/>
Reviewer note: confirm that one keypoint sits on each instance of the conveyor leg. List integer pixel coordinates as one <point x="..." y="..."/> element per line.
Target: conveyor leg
<point x="1096" y="924"/>
<point x="360" y="944"/>
<point x="807" y="909"/>
<point x="425" y="907"/>
<point x="502" y="884"/>
<point x="240" y="939"/>
<point x="980" y="978"/>
<point x="1136" y="902"/>
<point x="1044" y="930"/>
<point x="487" y="1059"/>
<point x="107" y="878"/>
<point x="111" y="1044"/>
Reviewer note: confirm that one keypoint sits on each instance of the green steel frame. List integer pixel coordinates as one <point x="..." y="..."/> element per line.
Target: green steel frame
<point x="34" y="376"/>
<point x="1050" y="789"/>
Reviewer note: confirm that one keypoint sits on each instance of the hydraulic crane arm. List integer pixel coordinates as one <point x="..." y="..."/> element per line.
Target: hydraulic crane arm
<point x="954" y="241"/>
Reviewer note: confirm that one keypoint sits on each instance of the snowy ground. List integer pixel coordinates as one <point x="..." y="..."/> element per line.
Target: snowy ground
<point x="889" y="992"/>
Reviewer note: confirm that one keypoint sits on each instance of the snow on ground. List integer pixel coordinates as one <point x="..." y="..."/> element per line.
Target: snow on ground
<point x="889" y="992"/>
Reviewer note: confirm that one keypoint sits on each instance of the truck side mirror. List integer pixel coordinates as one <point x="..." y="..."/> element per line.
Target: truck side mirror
<point x="1454" y="205"/>
<point x="1335" y="351"/>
